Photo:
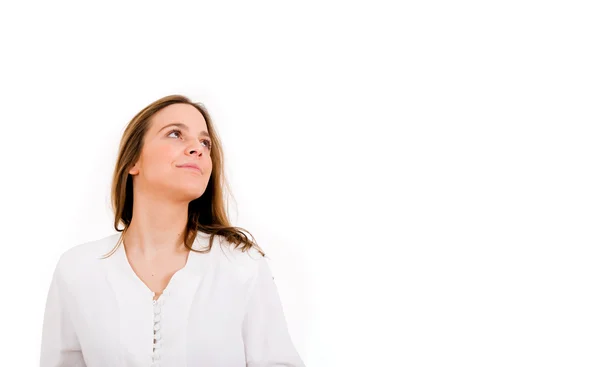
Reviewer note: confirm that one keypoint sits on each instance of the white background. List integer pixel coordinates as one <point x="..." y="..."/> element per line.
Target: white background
<point x="424" y="175"/>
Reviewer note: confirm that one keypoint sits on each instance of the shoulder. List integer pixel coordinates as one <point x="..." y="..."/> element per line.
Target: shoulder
<point x="85" y="256"/>
<point x="225" y="255"/>
<point x="223" y="250"/>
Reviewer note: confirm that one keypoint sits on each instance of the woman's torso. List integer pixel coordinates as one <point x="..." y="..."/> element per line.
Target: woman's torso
<point x="198" y="317"/>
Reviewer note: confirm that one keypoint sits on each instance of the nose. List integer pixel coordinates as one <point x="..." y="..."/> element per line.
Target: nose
<point x="195" y="149"/>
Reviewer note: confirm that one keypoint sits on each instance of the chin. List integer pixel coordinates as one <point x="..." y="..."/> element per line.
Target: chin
<point x="191" y="193"/>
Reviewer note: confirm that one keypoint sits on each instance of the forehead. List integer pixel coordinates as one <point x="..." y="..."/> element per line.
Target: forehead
<point x="181" y="113"/>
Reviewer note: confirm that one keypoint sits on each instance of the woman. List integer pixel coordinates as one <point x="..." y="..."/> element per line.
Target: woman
<point x="177" y="285"/>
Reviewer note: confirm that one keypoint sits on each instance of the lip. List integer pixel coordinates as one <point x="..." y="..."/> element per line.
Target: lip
<point x="190" y="166"/>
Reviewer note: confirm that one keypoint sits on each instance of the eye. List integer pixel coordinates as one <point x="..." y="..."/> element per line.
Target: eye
<point x="206" y="143"/>
<point x="175" y="131"/>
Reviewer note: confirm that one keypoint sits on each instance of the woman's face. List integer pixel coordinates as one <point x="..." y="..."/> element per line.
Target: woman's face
<point x="176" y="141"/>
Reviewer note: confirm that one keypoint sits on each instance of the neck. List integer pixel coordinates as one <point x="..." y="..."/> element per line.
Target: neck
<point x="157" y="226"/>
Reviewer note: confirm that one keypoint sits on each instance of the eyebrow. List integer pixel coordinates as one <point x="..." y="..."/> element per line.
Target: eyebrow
<point x="183" y="126"/>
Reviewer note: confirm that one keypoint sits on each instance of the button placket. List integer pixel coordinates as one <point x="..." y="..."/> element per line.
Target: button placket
<point x="157" y="343"/>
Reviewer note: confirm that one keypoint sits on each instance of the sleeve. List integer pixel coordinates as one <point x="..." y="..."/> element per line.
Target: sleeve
<point x="60" y="346"/>
<point x="267" y="341"/>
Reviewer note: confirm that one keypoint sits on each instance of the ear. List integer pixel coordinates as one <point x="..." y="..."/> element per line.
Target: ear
<point x="134" y="170"/>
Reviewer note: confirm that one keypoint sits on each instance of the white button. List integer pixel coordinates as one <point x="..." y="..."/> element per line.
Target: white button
<point x="156" y="309"/>
<point x="157" y="326"/>
<point x="157" y="344"/>
<point x="156" y="355"/>
<point x="156" y="317"/>
<point x="158" y="335"/>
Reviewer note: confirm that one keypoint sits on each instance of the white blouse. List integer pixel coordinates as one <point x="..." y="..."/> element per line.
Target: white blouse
<point x="221" y="309"/>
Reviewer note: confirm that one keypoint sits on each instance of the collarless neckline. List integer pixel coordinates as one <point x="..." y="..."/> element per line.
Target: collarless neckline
<point x="126" y="267"/>
<point x="196" y="265"/>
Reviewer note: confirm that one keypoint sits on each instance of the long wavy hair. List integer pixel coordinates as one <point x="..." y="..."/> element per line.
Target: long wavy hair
<point x="207" y="214"/>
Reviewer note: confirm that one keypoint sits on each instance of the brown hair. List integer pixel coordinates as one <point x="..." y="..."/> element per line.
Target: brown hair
<point x="207" y="214"/>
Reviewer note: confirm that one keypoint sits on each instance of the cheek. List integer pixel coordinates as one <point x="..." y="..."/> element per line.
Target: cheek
<point x="208" y="167"/>
<point x="159" y="159"/>
<point x="167" y="152"/>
